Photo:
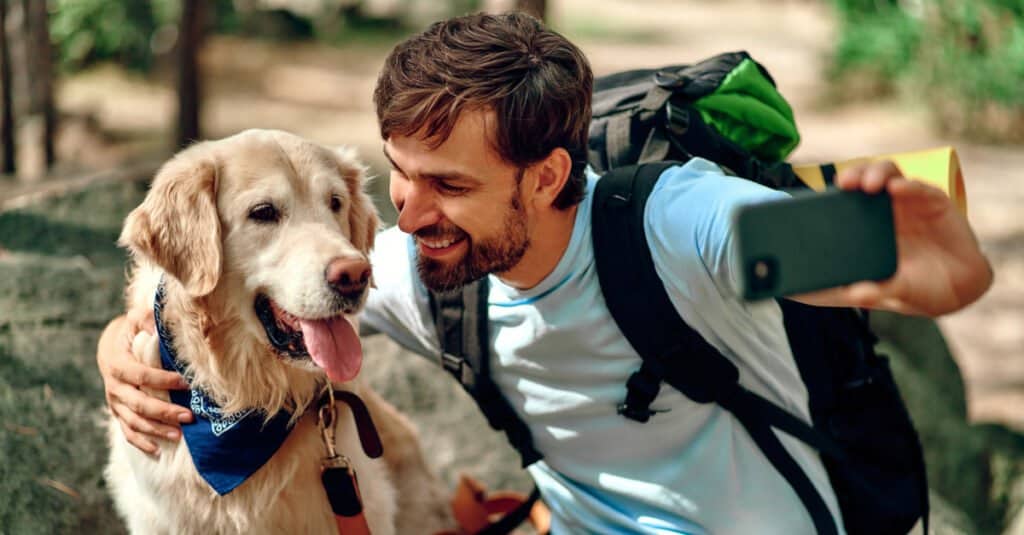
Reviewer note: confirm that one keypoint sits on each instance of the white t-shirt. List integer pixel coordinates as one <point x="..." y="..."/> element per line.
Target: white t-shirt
<point x="562" y="363"/>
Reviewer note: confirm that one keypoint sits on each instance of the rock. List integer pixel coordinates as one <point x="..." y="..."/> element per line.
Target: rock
<point x="976" y="467"/>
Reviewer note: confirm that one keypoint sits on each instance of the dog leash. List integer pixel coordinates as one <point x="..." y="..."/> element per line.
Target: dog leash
<point x="339" y="478"/>
<point x="476" y="510"/>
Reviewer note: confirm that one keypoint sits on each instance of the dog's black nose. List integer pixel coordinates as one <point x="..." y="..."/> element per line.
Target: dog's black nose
<point x="349" y="276"/>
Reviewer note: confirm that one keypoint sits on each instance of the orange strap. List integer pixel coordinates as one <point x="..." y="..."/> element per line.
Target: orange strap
<point x="475" y="509"/>
<point x="352" y="525"/>
<point x="346" y="501"/>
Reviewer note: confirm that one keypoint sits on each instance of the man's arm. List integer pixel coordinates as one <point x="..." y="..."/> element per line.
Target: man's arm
<point x="941" y="268"/>
<point x="142" y="417"/>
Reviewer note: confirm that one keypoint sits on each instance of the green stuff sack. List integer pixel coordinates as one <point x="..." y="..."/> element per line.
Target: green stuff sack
<point x="725" y="109"/>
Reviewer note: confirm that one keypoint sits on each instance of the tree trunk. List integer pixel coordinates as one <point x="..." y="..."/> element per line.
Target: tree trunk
<point x="189" y="92"/>
<point x="41" y="77"/>
<point x="7" y="146"/>
<point x="33" y="114"/>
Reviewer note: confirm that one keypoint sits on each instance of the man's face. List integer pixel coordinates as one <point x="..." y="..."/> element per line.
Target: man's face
<point x="461" y="203"/>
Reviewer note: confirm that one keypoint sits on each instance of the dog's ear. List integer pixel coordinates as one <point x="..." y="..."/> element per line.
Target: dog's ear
<point x="177" y="226"/>
<point x="362" y="214"/>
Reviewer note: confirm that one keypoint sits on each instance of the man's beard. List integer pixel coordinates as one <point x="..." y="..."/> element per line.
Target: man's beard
<point x="490" y="255"/>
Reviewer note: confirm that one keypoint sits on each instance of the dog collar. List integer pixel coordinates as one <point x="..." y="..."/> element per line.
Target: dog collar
<point x="226" y="448"/>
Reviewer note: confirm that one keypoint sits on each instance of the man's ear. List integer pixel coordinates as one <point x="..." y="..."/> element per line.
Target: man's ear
<point x="551" y="175"/>
<point x="363" y="221"/>
<point x="177" y="226"/>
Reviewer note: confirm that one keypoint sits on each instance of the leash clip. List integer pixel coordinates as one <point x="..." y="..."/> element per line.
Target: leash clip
<point x="327" y="416"/>
<point x="339" y="479"/>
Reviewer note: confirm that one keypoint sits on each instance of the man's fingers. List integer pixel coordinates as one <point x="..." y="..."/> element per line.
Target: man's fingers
<point x="877" y="174"/>
<point x="869" y="178"/>
<point x="152" y="429"/>
<point x="162" y="411"/>
<point x="916" y="189"/>
<point x="137" y="439"/>
<point x="850" y="178"/>
<point x="136" y="374"/>
<point x="887" y="294"/>
<point x="865" y="294"/>
<point x="148" y="406"/>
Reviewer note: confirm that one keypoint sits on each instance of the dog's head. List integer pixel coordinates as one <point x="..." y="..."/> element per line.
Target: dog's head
<point x="270" y="235"/>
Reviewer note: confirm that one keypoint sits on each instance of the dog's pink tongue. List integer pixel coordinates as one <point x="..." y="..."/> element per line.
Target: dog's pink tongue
<point x="334" y="346"/>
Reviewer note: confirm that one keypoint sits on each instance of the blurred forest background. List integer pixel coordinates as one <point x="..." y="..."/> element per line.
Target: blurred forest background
<point x="95" y="94"/>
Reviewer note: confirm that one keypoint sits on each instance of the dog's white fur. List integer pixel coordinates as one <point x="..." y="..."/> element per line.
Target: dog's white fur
<point x="193" y="230"/>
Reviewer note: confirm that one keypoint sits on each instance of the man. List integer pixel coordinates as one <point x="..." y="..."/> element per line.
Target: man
<point x="484" y="120"/>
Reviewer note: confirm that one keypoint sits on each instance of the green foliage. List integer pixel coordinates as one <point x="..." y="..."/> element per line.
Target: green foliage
<point x="87" y="31"/>
<point x="882" y="44"/>
<point x="982" y="55"/>
<point x="964" y="59"/>
<point x="133" y="33"/>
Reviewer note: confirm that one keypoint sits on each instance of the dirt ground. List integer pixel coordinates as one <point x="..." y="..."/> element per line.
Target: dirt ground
<point x="325" y="93"/>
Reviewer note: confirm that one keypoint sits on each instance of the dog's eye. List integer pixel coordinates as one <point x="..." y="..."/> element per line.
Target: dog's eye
<point x="335" y="203"/>
<point x="264" y="213"/>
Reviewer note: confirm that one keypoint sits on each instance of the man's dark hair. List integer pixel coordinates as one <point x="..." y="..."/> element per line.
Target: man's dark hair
<point x="537" y="82"/>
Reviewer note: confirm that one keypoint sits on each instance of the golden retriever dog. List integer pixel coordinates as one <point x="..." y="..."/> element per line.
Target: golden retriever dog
<point x="259" y="244"/>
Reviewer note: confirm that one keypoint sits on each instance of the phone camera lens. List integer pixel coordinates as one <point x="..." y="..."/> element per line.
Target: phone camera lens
<point x="760" y="269"/>
<point x="762" y="274"/>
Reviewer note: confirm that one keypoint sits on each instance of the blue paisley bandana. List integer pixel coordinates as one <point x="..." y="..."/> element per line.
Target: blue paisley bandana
<point x="226" y="448"/>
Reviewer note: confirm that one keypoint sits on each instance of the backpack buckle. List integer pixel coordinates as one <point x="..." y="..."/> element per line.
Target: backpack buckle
<point x="677" y="119"/>
<point x="639" y="414"/>
<point x="459" y="368"/>
<point x="451" y="363"/>
<point x="670" y="79"/>
<point x="641" y="389"/>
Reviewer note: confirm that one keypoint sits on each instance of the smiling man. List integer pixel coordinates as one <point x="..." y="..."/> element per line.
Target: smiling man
<point x="465" y="209"/>
<point x="485" y="120"/>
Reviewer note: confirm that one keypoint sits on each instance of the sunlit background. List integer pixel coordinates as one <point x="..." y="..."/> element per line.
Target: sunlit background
<point x="97" y="93"/>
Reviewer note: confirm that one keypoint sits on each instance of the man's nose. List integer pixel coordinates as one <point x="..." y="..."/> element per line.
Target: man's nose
<point x="416" y="205"/>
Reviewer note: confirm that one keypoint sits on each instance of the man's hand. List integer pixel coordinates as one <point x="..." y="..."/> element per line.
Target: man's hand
<point x="142" y="417"/>
<point x="940" y="269"/>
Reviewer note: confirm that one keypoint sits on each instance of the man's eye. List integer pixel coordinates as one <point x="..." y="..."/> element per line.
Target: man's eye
<point x="264" y="213"/>
<point x="335" y="203"/>
<point x="451" y="189"/>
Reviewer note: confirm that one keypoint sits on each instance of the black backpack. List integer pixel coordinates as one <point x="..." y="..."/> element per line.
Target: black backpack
<point x="861" y="427"/>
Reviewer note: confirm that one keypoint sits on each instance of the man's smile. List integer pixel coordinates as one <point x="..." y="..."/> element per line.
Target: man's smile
<point x="439" y="247"/>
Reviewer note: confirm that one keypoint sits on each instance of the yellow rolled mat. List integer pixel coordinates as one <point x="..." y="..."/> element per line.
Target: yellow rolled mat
<point x="939" y="167"/>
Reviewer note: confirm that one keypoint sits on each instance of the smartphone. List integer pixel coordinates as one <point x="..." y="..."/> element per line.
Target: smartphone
<point x="814" y="241"/>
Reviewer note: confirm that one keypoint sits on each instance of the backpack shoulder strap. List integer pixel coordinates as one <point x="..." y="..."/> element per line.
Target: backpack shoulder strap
<point x="636" y="296"/>
<point x="670" y="349"/>
<point x="460" y="318"/>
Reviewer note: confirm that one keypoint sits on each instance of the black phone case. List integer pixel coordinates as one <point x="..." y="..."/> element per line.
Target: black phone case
<point x="814" y="241"/>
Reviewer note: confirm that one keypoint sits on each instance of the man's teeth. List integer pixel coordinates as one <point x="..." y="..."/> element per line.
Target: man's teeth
<point x="437" y="244"/>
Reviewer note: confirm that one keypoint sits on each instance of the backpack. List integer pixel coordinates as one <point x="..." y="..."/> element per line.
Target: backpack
<point x="861" y="427"/>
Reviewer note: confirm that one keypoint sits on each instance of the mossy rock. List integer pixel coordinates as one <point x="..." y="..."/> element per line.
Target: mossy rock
<point x="974" y="468"/>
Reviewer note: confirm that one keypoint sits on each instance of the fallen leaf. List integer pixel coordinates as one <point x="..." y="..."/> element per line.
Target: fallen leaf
<point x="22" y="429"/>
<point x="54" y="484"/>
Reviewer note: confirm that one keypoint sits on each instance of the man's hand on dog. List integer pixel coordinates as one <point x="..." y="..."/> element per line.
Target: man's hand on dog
<point x="143" y="418"/>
